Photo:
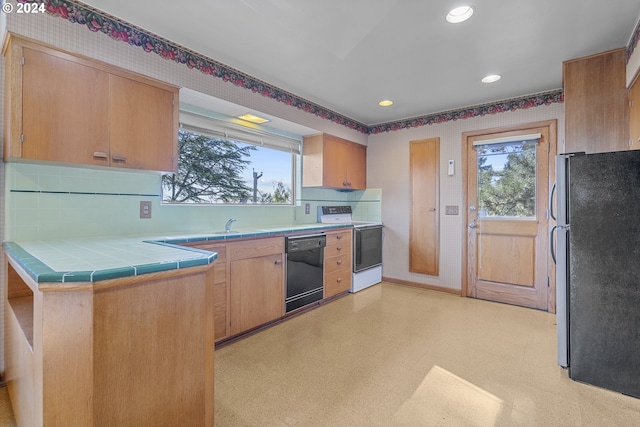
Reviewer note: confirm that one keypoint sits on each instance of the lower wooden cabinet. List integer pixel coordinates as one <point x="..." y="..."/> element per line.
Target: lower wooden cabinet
<point x="248" y="283"/>
<point x="257" y="293"/>
<point x="217" y="277"/>
<point x="71" y="351"/>
<point x="337" y="262"/>
<point x="248" y="279"/>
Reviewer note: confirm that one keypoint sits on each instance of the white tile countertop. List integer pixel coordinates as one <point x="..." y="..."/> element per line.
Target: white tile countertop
<point x="93" y="259"/>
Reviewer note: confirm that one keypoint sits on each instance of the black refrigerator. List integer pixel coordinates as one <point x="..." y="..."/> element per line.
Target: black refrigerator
<point x="597" y="257"/>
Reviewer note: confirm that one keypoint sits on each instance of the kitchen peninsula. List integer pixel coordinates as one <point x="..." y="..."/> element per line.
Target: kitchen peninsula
<point x="115" y="330"/>
<point x="126" y="346"/>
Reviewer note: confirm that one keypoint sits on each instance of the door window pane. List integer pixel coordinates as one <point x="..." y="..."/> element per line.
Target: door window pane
<point x="507" y="179"/>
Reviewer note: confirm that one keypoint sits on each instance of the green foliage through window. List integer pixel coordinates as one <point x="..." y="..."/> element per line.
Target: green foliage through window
<point x="218" y="170"/>
<point x="507" y="180"/>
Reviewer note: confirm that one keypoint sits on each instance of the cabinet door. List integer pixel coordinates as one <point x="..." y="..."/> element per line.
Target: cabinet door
<point x="64" y="110"/>
<point x="257" y="292"/>
<point x="142" y="132"/>
<point x="220" y="289"/>
<point x="357" y="167"/>
<point x="335" y="163"/>
<point x="595" y="103"/>
<point x="634" y="116"/>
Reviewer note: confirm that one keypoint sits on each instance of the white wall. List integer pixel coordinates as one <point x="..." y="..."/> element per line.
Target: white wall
<point x="388" y="169"/>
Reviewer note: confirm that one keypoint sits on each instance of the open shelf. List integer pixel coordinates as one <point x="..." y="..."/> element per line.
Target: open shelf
<point x="20" y="298"/>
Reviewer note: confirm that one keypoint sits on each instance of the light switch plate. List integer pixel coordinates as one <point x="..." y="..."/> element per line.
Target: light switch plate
<point x="145" y="209"/>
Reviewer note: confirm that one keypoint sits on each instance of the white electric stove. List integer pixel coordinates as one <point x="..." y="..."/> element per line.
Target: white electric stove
<point x="367" y="245"/>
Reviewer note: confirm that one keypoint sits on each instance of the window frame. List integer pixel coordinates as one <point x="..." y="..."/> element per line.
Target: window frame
<point x="215" y="125"/>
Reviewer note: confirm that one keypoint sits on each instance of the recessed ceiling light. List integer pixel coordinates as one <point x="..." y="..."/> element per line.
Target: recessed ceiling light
<point x="459" y="14"/>
<point x="491" y="78"/>
<point x="253" y="118"/>
<point x="385" y="103"/>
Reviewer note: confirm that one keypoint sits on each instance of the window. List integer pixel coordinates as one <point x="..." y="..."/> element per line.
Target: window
<point x="507" y="179"/>
<point x="224" y="162"/>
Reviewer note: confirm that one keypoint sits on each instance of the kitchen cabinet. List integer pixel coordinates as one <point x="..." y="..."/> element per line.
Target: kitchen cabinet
<point x="72" y="348"/>
<point x="595" y="103"/>
<point x="337" y="262"/>
<point x="217" y="279"/>
<point x="634" y="115"/>
<point x="70" y="109"/>
<point x="256" y="282"/>
<point x="424" y="220"/>
<point x="329" y="161"/>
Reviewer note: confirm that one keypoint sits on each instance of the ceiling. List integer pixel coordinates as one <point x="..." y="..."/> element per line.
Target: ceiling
<point x="347" y="55"/>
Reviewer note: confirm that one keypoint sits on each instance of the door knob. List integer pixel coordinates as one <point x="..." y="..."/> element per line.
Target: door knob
<point x="472" y="208"/>
<point x="473" y="225"/>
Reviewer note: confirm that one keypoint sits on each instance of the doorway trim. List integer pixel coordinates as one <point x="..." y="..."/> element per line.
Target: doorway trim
<point x="551" y="125"/>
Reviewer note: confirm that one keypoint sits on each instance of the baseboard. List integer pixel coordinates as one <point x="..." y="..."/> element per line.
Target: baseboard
<point x="422" y="285"/>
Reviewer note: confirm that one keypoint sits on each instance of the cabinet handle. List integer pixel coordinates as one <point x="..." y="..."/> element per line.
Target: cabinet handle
<point x="338" y="248"/>
<point x="117" y="158"/>
<point x="100" y="155"/>
<point x="339" y="262"/>
<point x="278" y="262"/>
<point x="339" y="280"/>
<point x="339" y="236"/>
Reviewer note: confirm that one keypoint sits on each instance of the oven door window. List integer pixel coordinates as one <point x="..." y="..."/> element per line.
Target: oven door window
<point x="367" y="248"/>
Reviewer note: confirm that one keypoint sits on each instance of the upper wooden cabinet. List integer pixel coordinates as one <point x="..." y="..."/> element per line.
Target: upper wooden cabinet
<point x="329" y="161"/>
<point x="595" y="103"/>
<point x="634" y="115"/>
<point x="65" y="108"/>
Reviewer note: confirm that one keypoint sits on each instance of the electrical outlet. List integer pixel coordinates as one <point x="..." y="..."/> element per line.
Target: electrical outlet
<point x="307" y="208"/>
<point x="145" y="209"/>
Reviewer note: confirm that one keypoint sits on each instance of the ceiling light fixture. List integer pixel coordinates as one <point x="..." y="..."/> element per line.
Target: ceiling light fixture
<point x="491" y="78"/>
<point x="459" y="14"/>
<point x="385" y="103"/>
<point x="253" y="118"/>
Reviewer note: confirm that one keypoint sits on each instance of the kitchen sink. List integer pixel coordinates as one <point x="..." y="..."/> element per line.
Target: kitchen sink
<point x="226" y="232"/>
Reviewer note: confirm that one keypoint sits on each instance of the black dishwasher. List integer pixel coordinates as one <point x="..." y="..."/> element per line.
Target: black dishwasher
<point x="305" y="270"/>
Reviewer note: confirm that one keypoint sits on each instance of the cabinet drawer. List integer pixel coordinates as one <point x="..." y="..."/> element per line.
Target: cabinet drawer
<point x="343" y="237"/>
<point x="341" y="262"/>
<point x="342" y="248"/>
<point x="336" y="282"/>
<point x="256" y="248"/>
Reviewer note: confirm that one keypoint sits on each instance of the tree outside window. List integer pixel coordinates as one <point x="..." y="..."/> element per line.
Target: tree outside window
<point x="218" y="170"/>
<point x="507" y="180"/>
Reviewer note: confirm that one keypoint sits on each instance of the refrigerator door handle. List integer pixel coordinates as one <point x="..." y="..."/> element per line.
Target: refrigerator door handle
<point x="553" y="190"/>
<point x="551" y="245"/>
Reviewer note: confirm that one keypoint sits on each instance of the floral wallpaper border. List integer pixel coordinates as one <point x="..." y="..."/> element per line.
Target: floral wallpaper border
<point x="98" y="21"/>
<point x="633" y="43"/>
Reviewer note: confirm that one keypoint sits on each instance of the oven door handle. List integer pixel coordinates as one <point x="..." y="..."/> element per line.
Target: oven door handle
<point x="357" y="244"/>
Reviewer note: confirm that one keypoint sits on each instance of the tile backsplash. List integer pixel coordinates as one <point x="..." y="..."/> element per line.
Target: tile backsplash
<point x="51" y="202"/>
<point x="366" y="205"/>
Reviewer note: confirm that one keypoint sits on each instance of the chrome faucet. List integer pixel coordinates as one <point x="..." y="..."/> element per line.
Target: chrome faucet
<point x="227" y="226"/>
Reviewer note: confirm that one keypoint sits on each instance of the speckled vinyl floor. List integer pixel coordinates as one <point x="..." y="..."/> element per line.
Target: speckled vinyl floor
<point x="6" y="414"/>
<point x="399" y="356"/>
